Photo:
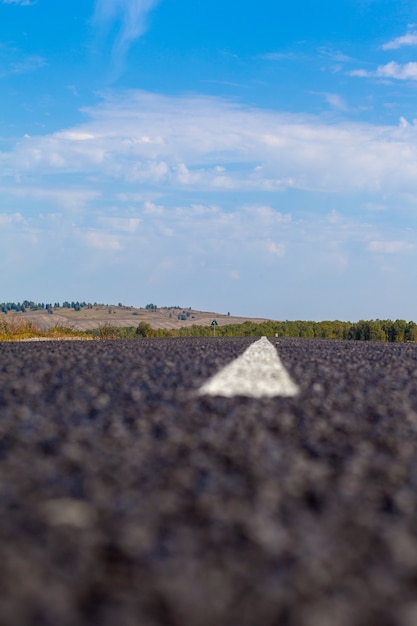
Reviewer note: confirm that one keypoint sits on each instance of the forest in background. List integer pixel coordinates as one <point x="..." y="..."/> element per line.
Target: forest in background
<point x="364" y="330"/>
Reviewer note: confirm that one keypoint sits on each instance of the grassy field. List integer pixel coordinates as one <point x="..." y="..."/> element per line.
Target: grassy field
<point x="17" y="329"/>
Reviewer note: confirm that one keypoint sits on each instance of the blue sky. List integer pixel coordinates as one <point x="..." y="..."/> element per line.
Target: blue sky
<point x="252" y="157"/>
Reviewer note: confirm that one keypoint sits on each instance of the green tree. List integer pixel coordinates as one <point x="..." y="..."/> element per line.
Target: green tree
<point x="144" y="330"/>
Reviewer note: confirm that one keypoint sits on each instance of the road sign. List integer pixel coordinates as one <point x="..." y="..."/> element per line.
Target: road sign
<point x="214" y="324"/>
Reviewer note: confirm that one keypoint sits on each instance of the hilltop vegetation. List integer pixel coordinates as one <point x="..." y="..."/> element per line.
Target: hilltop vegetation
<point x="30" y="305"/>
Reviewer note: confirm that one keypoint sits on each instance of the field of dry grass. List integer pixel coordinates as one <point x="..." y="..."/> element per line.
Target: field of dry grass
<point x="15" y="328"/>
<point x="120" y="316"/>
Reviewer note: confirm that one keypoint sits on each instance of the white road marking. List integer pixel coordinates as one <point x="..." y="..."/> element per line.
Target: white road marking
<point x="257" y="373"/>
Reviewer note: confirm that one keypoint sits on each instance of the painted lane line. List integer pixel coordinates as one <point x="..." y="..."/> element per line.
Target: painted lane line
<point x="257" y="373"/>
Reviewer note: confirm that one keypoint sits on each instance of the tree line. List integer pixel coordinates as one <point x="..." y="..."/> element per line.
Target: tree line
<point x="30" y="305"/>
<point x="364" y="330"/>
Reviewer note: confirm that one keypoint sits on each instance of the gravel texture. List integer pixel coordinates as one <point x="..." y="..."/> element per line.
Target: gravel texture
<point x="128" y="500"/>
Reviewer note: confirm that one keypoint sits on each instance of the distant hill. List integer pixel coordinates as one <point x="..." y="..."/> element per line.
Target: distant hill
<point x="95" y="316"/>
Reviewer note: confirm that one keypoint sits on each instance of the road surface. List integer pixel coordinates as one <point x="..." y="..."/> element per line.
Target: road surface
<point x="131" y="496"/>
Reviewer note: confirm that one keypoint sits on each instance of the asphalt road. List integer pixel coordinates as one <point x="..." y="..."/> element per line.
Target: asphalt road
<point x="126" y="499"/>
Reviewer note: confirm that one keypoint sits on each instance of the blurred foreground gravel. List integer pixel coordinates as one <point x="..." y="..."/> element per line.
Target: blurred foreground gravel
<point x="127" y="500"/>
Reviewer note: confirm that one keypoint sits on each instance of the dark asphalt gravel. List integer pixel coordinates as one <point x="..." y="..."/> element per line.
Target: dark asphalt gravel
<point x="126" y="500"/>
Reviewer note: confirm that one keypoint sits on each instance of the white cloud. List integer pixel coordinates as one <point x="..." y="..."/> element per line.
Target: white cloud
<point x="14" y="63"/>
<point x="29" y="64"/>
<point x="153" y="209"/>
<point x="361" y="73"/>
<point x="102" y="241"/>
<point x="409" y="39"/>
<point x="136" y="197"/>
<point x="336" y="101"/>
<point x="277" y="249"/>
<point x="206" y="252"/>
<point x="390" y="247"/>
<point x="406" y="71"/>
<point x="122" y="224"/>
<point x="8" y="219"/>
<point x="130" y="15"/>
<point x="76" y="136"/>
<point x="67" y="198"/>
<point x="266" y="216"/>
<point x="23" y="3"/>
<point x="197" y="210"/>
<point x="335" y="55"/>
<point x="258" y="150"/>
<point x="375" y="206"/>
